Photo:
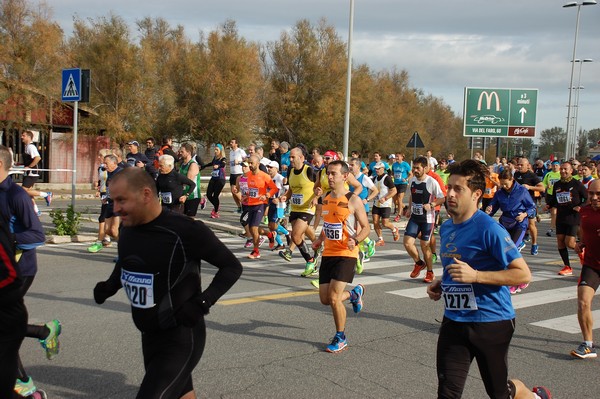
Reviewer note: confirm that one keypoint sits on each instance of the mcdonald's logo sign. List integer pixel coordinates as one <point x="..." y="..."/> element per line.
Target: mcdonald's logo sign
<point x="488" y="100"/>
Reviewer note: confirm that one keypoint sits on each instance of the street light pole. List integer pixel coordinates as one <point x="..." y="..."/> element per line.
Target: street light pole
<point x="569" y="150"/>
<point x="578" y="88"/>
<point x="348" y="83"/>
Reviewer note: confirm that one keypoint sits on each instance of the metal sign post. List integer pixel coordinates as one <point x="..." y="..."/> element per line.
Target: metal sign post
<point x="71" y="91"/>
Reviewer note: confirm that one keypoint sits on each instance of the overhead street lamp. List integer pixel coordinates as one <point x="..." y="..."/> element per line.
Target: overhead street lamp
<point x="570" y="150"/>
<point x="579" y="87"/>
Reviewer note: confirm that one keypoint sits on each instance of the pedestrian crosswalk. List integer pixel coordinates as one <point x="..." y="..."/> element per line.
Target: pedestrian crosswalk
<point x="392" y="265"/>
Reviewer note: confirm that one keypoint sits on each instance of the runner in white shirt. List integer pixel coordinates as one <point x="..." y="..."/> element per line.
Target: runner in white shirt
<point x="236" y="157"/>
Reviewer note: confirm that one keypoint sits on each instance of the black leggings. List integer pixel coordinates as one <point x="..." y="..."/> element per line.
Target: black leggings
<point x="459" y="343"/>
<point x="215" y="186"/>
<point x="13" y="321"/>
<point x="170" y="356"/>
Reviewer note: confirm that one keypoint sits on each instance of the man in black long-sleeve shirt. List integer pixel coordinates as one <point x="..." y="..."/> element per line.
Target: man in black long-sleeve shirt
<point x="163" y="285"/>
<point x="568" y="196"/>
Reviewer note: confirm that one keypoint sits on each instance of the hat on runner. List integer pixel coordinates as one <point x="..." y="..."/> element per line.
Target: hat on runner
<point x="392" y="156"/>
<point x="379" y="165"/>
<point x="274" y="164"/>
<point x="555" y="162"/>
<point x="331" y="154"/>
<point x="245" y="164"/>
<point x="265" y="161"/>
<point x="133" y="142"/>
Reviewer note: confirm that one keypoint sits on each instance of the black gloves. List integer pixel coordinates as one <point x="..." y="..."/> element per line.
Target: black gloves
<point x="102" y="292"/>
<point x="190" y="311"/>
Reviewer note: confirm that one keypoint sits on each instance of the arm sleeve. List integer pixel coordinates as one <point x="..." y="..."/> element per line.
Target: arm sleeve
<point x="213" y="251"/>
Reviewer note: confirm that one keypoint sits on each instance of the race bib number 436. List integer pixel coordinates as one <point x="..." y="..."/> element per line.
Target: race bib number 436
<point x="139" y="288"/>
<point x="459" y="297"/>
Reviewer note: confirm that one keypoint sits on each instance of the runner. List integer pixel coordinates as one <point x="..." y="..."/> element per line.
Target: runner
<point x="217" y="180"/>
<point x="402" y="173"/>
<point x="549" y="179"/>
<point x="568" y="196"/>
<point x="301" y="179"/>
<point x="31" y="159"/>
<point x="190" y="168"/>
<point x="479" y="317"/>
<point x="236" y="157"/>
<point x="525" y="176"/>
<point x="343" y="212"/>
<point x="589" y="280"/>
<point x="169" y="185"/>
<point x="163" y="285"/>
<point x="382" y="205"/>
<point x="103" y="239"/>
<point x="425" y="195"/>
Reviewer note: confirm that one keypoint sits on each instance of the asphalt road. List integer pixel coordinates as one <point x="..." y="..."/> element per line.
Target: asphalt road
<point x="266" y="337"/>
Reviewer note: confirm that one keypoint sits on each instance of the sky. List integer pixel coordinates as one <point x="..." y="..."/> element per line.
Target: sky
<point x="444" y="45"/>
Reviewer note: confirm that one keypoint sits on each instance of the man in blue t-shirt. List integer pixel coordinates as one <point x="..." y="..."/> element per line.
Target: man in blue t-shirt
<point x="401" y="172"/>
<point x="480" y="262"/>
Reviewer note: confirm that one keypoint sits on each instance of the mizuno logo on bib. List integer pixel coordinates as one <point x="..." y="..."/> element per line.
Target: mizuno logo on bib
<point x="459" y="297"/>
<point x="139" y="288"/>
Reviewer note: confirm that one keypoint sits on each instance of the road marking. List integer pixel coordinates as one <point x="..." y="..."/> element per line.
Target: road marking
<point x="270" y="297"/>
<point x="568" y="324"/>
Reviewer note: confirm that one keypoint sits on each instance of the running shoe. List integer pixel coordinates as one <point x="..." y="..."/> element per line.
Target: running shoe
<point x="265" y="220"/>
<point x="38" y="212"/>
<point x="25" y="388"/>
<point x="420" y="265"/>
<point x="310" y="269"/>
<point x="436" y="230"/>
<point x="203" y="203"/>
<point x="523" y="286"/>
<point x="359" y="262"/>
<point x="278" y="248"/>
<point x="51" y="344"/>
<point x="521" y="246"/>
<point x="239" y="210"/>
<point x="527" y="238"/>
<point x="538" y="218"/>
<point x="397" y="218"/>
<point x="534" y="249"/>
<point x="584" y="351"/>
<point x="286" y="254"/>
<point x="271" y="238"/>
<point x="396" y="234"/>
<point x="542" y="392"/>
<point x="514" y="289"/>
<point x="566" y="271"/>
<point x="371" y="249"/>
<point x="550" y="232"/>
<point x="428" y="276"/>
<point x="95" y="247"/>
<point x="380" y="243"/>
<point x="434" y="257"/>
<point x="357" y="303"/>
<point x="315" y="283"/>
<point x="39" y="394"/>
<point x="254" y="254"/>
<point x="106" y="242"/>
<point x="319" y="251"/>
<point x="337" y="344"/>
<point x="261" y="240"/>
<point x="49" y="198"/>
<point x="213" y="214"/>
<point x="248" y="243"/>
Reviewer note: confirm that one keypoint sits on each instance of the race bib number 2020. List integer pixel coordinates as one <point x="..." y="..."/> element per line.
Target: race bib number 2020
<point x="139" y="288"/>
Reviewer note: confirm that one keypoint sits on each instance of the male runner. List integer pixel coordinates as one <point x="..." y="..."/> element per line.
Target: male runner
<point x="236" y="157"/>
<point x="31" y="159"/>
<point x="343" y="212"/>
<point x="589" y="280"/>
<point x="425" y="195"/>
<point x="163" y="285"/>
<point x="402" y="174"/>
<point x="479" y="317"/>
<point x="550" y="178"/>
<point x="382" y="206"/>
<point x="528" y="179"/>
<point x="568" y="196"/>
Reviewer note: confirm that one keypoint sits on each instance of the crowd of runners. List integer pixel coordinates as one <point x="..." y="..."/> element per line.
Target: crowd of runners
<point x="336" y="213"/>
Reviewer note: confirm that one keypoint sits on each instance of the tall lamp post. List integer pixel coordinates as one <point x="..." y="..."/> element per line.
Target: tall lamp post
<point x="579" y="87"/>
<point x="348" y="83"/>
<point x="569" y="149"/>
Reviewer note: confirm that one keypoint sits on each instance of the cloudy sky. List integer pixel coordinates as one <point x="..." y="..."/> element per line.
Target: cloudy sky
<point x="444" y="45"/>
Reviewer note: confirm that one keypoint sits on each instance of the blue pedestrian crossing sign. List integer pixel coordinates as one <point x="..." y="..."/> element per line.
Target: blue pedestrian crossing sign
<point x="71" y="84"/>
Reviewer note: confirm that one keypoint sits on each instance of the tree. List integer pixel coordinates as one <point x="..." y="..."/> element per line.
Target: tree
<point x="31" y="47"/>
<point x="552" y="141"/>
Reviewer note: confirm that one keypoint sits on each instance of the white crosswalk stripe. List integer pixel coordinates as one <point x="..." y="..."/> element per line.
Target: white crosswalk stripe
<point x="568" y="324"/>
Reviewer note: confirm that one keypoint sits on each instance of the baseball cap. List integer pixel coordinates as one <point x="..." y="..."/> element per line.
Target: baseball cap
<point x="134" y="143"/>
<point x="245" y="164"/>
<point x="331" y="154"/>
<point x="273" y="164"/>
<point x="379" y="165"/>
<point x="392" y="156"/>
<point x="555" y="162"/>
<point x="265" y="161"/>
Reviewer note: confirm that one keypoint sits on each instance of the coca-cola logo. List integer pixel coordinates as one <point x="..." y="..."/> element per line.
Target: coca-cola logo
<point x="521" y="130"/>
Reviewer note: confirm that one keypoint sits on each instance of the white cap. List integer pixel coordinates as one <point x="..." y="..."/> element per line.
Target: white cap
<point x="265" y="161"/>
<point x="379" y="165"/>
<point x="274" y="164"/>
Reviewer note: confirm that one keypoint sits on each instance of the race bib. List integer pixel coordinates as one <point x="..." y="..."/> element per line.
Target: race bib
<point x="215" y="173"/>
<point x="166" y="198"/>
<point x="297" y="199"/>
<point x="232" y="163"/>
<point x="333" y="231"/>
<point x="488" y="190"/>
<point x="103" y="197"/>
<point x="459" y="297"/>
<point x="253" y="192"/>
<point x="563" y="197"/>
<point x="417" y="209"/>
<point x="398" y="175"/>
<point x="138" y="288"/>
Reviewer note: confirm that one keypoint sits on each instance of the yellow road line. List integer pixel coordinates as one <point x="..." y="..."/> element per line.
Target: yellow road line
<point x="260" y="298"/>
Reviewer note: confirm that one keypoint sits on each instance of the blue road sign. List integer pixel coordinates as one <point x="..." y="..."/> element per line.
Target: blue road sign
<point x="71" y="84"/>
